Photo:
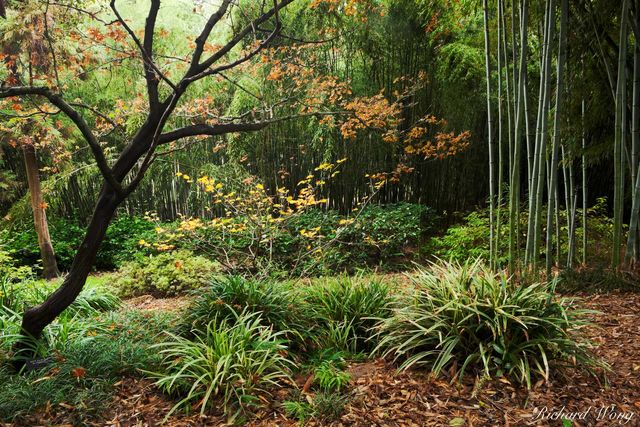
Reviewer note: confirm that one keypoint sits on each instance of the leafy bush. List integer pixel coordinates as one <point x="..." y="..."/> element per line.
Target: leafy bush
<point x="120" y="244"/>
<point x="331" y="377"/>
<point x="344" y="309"/>
<point x="276" y="303"/>
<point x="235" y="360"/>
<point x="378" y="235"/>
<point x="311" y="242"/>
<point x="9" y="270"/>
<point x="469" y="239"/>
<point x="166" y="274"/>
<point x="386" y="231"/>
<point x="468" y="316"/>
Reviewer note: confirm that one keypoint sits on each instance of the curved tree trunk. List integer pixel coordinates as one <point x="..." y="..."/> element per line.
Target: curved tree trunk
<point x="50" y="267"/>
<point x="37" y="318"/>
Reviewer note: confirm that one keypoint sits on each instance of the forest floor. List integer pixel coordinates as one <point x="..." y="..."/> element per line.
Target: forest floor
<point x="380" y="396"/>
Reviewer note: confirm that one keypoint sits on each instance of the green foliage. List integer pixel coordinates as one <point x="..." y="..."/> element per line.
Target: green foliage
<point x="382" y="232"/>
<point x="328" y="406"/>
<point x="277" y="304"/>
<point x="235" y="360"/>
<point x="469" y="239"/>
<point x="120" y="244"/>
<point x="330" y="376"/>
<point x="17" y="295"/>
<point x="468" y="316"/>
<point x="90" y="354"/>
<point x="298" y="409"/>
<point x="10" y="273"/>
<point x="344" y="309"/>
<point x="324" y="406"/>
<point x="378" y="235"/>
<point x="166" y="274"/>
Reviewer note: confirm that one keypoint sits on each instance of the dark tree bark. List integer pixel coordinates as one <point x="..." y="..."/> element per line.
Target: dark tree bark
<point x="37" y="318"/>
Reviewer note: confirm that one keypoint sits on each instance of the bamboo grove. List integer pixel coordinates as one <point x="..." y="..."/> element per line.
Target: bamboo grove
<point x="537" y="58"/>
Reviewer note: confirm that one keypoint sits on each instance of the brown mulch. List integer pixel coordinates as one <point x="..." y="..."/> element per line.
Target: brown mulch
<point x="380" y="396"/>
<point x="148" y="302"/>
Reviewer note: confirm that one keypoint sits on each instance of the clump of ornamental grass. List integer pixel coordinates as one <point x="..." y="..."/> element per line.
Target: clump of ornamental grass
<point x="230" y="365"/>
<point x="277" y="304"/>
<point x="472" y="318"/>
<point x="344" y="310"/>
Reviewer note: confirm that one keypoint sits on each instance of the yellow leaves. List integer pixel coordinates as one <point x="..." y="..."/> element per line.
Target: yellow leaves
<point x="190" y="224"/>
<point x="162" y="247"/>
<point x="310" y="234"/>
<point x="345" y="222"/>
<point x="323" y="166"/>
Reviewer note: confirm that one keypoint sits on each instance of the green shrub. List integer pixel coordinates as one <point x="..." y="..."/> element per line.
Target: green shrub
<point x="343" y="309"/>
<point x="468" y="316"/>
<point x="120" y="244"/>
<point x="166" y="274"/>
<point x="469" y="239"/>
<point x="276" y="303"/>
<point x="235" y="360"/>
<point x="386" y="231"/>
<point x="377" y="235"/>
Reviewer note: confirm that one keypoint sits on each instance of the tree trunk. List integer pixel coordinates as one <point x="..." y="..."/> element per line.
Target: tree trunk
<point x="539" y="176"/>
<point x="35" y="319"/>
<point x="50" y="267"/>
<point x="552" y="205"/>
<point x="620" y="137"/>
<point x="514" y="185"/>
<point x="490" y="133"/>
<point x="584" y="185"/>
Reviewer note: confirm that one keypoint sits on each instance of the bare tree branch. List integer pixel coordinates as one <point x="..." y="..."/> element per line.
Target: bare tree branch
<point x="152" y="72"/>
<point x="204" y="34"/>
<point x="196" y="71"/>
<point x="224" y="128"/>
<point x="76" y="118"/>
